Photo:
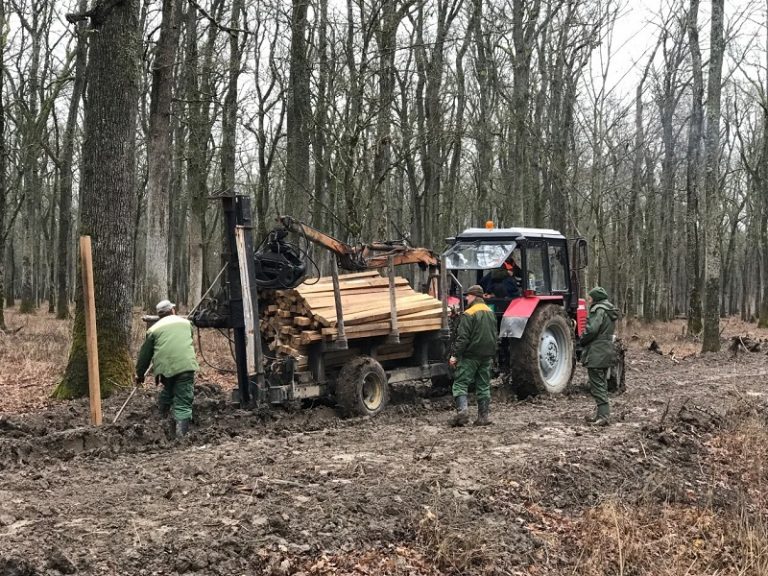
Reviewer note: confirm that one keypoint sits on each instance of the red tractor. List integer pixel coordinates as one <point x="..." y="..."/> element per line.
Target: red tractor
<point x="531" y="280"/>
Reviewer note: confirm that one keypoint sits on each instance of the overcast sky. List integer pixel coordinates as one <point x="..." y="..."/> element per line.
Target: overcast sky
<point x="637" y="28"/>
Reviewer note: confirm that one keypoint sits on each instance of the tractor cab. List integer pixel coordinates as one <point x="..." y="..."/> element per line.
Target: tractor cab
<point x="512" y="263"/>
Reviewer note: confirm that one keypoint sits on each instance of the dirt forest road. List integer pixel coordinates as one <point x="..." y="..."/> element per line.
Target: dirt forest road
<point x="672" y="486"/>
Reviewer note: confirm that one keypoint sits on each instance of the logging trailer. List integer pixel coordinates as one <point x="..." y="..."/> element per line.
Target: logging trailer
<point x="350" y="337"/>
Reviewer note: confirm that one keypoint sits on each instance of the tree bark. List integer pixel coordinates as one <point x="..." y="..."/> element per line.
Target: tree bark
<point x="692" y="271"/>
<point x="3" y="188"/>
<point x="319" y="140"/>
<point x="65" y="184"/>
<point x="229" y="111"/>
<point x="31" y="167"/>
<point x="382" y="185"/>
<point x="713" y="218"/>
<point x="299" y="115"/>
<point x="198" y="93"/>
<point x="159" y="157"/>
<point x="482" y="129"/>
<point x="107" y="193"/>
<point x="763" y="186"/>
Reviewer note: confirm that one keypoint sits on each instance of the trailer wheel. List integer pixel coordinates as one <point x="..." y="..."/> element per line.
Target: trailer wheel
<point x="362" y="388"/>
<point x="542" y="361"/>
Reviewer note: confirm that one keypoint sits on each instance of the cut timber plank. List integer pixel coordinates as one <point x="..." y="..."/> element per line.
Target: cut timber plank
<point x="352" y="285"/>
<point x="302" y="321"/>
<point x="369" y="316"/>
<point x="351" y="276"/>
<point x="381" y="328"/>
<point x="374" y="305"/>
<point x="436" y="313"/>
<point x="327" y="301"/>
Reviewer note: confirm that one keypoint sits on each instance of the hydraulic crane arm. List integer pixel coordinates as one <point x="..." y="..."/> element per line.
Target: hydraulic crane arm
<point x="363" y="256"/>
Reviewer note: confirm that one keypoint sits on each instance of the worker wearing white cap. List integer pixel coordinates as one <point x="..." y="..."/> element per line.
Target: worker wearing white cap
<point x="170" y="349"/>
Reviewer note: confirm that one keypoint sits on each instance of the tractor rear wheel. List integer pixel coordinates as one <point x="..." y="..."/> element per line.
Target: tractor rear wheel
<point x="362" y="388"/>
<point x="542" y="361"/>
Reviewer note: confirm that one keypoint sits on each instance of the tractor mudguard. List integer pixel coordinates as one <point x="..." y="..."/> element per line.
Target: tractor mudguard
<point x="518" y="312"/>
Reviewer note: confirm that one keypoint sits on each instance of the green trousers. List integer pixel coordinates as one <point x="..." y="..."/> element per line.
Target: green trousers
<point x="598" y="387"/>
<point x="177" y="393"/>
<point x="477" y="370"/>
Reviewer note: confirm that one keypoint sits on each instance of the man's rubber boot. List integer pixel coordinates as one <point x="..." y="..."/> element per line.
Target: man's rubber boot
<point x="461" y="418"/>
<point x="182" y="427"/>
<point x="483" y="412"/>
<point x="603" y="416"/>
<point x="592" y="418"/>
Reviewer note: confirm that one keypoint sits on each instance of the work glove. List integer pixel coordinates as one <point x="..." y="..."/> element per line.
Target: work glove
<point x="138" y="380"/>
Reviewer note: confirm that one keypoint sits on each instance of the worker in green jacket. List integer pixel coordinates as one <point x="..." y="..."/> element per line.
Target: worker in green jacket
<point x="476" y="343"/>
<point x="171" y="351"/>
<point x="599" y="351"/>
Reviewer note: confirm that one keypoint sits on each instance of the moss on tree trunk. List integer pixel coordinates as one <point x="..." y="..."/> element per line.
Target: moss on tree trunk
<point x="115" y="364"/>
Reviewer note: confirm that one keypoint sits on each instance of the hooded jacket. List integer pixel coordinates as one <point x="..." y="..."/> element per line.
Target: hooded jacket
<point x="597" y="340"/>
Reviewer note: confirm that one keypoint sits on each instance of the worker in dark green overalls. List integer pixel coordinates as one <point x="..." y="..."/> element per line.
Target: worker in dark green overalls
<point x="599" y="351"/>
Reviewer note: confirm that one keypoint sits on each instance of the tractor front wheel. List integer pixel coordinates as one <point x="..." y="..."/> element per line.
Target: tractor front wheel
<point x="362" y="388"/>
<point x="542" y="361"/>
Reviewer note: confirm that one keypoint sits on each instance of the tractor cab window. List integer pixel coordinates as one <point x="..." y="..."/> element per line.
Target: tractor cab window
<point x="557" y="262"/>
<point x="477" y="255"/>
<point x="536" y="279"/>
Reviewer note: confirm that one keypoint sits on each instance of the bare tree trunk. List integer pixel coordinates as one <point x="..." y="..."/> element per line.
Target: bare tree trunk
<point x="65" y="184"/>
<point x="712" y="211"/>
<point x="637" y="183"/>
<point x="763" y="184"/>
<point x="198" y="89"/>
<point x="452" y="182"/>
<point x="649" y="256"/>
<point x="159" y="157"/>
<point x="299" y="114"/>
<point x="31" y="167"/>
<point x="3" y="188"/>
<point x="319" y="141"/>
<point x="229" y="112"/>
<point x="107" y="192"/>
<point x="523" y="31"/>
<point x="482" y="128"/>
<point x="693" y="273"/>
<point x="433" y="147"/>
<point x="382" y="189"/>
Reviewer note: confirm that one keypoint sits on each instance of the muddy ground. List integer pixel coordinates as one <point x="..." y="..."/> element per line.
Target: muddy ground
<point x="674" y="486"/>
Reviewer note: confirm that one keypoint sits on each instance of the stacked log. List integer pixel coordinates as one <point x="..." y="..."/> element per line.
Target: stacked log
<point x="292" y="320"/>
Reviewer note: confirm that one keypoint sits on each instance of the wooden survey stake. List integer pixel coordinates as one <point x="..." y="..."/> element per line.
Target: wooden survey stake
<point x="89" y="302"/>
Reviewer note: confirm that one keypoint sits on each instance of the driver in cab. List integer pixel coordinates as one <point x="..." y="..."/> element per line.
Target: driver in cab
<point x="501" y="282"/>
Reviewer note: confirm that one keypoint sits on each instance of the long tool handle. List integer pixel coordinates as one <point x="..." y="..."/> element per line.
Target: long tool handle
<point x="125" y="404"/>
